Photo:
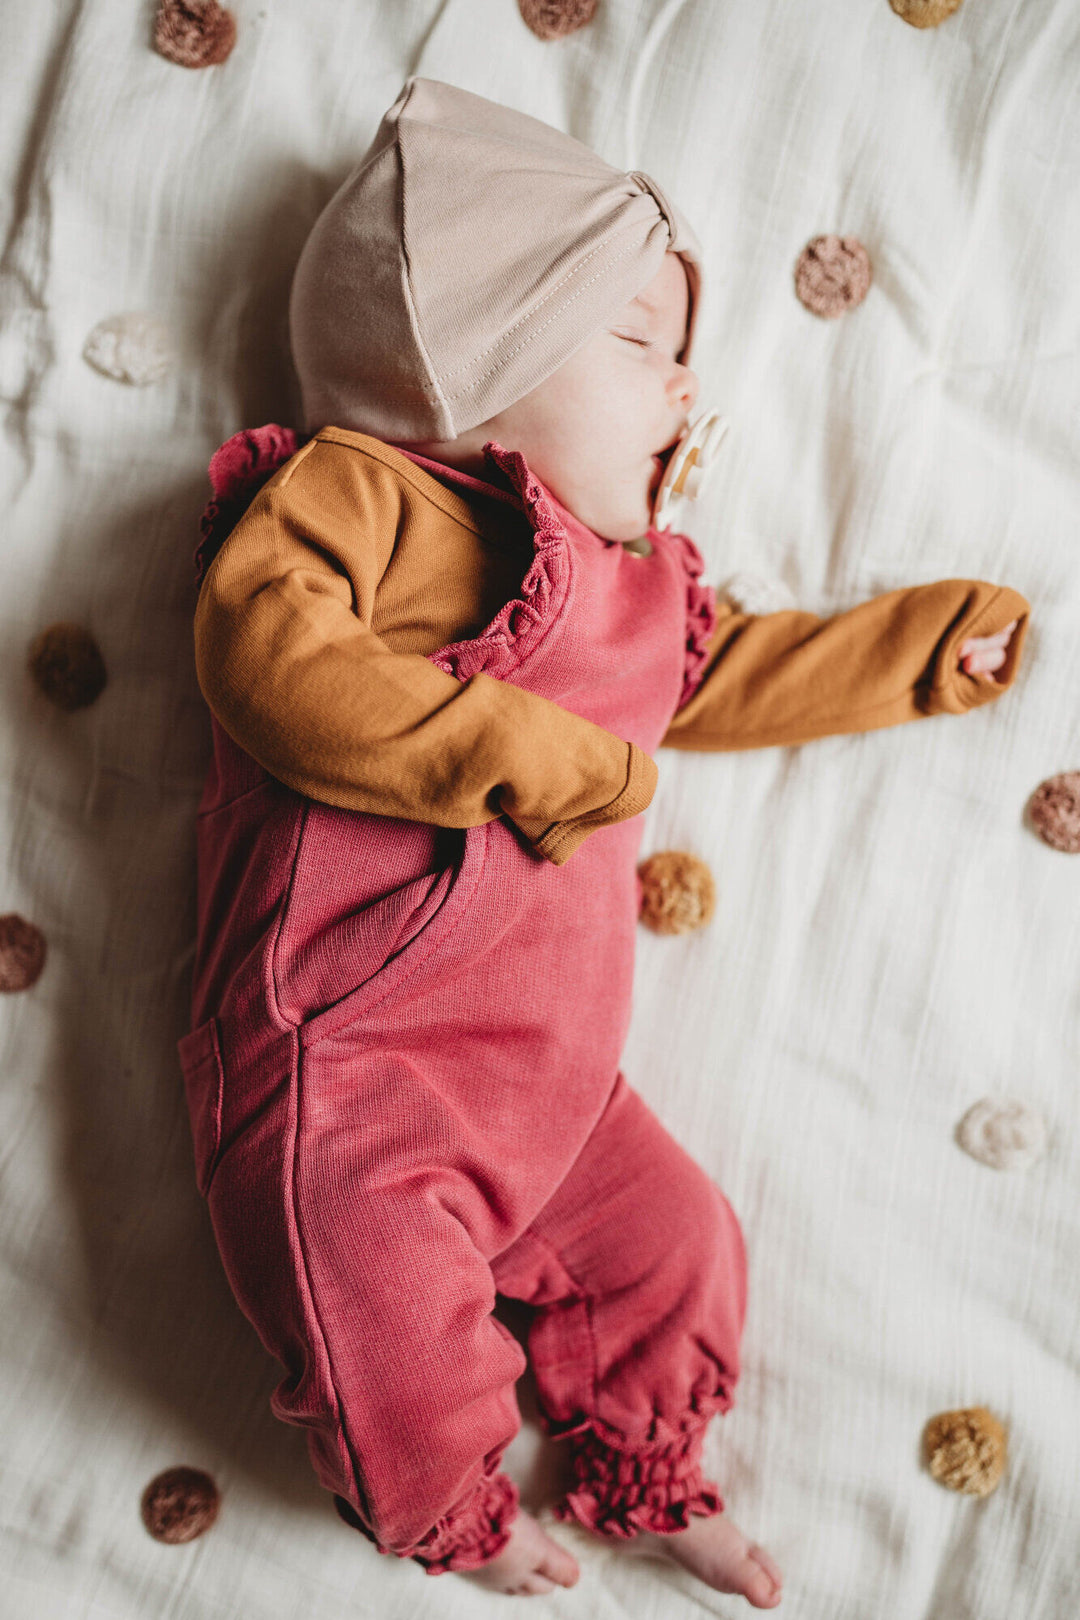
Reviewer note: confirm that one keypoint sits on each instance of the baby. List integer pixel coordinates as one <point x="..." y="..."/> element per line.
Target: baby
<point x="441" y="638"/>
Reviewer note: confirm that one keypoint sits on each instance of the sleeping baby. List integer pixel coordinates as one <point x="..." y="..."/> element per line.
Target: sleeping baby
<point x="441" y="637"/>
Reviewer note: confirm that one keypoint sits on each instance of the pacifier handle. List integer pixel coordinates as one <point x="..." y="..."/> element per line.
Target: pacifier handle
<point x="691" y="460"/>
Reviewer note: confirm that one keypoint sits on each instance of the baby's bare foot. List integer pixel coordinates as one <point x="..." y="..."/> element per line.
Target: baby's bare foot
<point x="530" y="1562"/>
<point x="716" y="1551"/>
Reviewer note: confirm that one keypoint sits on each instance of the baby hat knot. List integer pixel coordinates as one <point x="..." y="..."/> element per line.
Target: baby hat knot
<point x="647" y="183"/>
<point x="466" y="257"/>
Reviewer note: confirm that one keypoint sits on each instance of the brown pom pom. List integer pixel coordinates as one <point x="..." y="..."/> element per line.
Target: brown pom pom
<point x="1054" y="811"/>
<point x="677" y="892"/>
<point x="22" y="952"/>
<point x="194" y="33"/>
<point x="966" y="1450"/>
<point x="180" y="1504"/>
<point x="65" y="662"/>
<point x="832" y="275"/>
<point x="552" y="19"/>
<point x="924" y="13"/>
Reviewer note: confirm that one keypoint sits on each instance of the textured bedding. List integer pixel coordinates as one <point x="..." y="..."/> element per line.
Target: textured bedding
<point x="893" y="942"/>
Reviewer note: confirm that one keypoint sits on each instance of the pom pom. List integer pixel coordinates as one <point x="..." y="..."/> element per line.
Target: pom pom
<point x="194" y="33"/>
<point x="750" y="594"/>
<point x="133" y="348"/>
<point x="66" y="664"/>
<point x="22" y="952"/>
<point x="180" y="1504"/>
<point x="552" y="19"/>
<point x="677" y="892"/>
<point x="1003" y="1133"/>
<point x="924" y="13"/>
<point x="966" y="1450"/>
<point x="832" y="275"/>
<point x="1054" y="811"/>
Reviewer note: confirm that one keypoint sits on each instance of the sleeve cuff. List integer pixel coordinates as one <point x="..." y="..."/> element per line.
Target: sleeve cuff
<point x="953" y="690"/>
<point x="562" y="838"/>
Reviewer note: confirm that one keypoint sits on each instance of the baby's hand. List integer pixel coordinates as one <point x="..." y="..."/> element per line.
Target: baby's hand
<point x="980" y="654"/>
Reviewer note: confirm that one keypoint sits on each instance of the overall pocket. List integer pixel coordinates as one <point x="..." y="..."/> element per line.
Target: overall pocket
<point x="204" y="1083"/>
<point x="408" y="953"/>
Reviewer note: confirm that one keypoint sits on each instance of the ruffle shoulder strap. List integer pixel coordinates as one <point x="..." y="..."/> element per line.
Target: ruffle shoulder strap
<point x="238" y="470"/>
<point x="700" y="616"/>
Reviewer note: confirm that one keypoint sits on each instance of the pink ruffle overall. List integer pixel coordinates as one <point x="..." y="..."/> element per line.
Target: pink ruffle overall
<point x="403" y="1082"/>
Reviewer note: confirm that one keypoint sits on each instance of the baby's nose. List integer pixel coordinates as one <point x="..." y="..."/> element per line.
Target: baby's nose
<point x="683" y="388"/>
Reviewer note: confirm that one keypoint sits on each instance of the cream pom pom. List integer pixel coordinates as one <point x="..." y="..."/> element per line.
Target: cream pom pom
<point x="1002" y="1132"/>
<point x="749" y="593"/>
<point x="133" y="348"/>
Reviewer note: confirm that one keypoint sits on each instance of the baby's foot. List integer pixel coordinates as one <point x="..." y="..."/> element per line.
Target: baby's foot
<point x="716" y="1551"/>
<point x="530" y="1562"/>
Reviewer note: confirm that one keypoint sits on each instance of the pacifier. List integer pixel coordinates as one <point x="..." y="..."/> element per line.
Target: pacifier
<point x="690" y="461"/>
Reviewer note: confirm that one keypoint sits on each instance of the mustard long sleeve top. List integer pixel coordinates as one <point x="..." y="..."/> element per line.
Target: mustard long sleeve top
<point x="352" y="563"/>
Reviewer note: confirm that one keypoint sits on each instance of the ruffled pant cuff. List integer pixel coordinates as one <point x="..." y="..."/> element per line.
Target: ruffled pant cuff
<point x="619" y="1493"/>
<point x="473" y="1535"/>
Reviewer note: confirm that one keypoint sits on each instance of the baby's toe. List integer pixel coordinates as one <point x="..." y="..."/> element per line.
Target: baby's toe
<point x="763" y="1578"/>
<point x="559" y="1566"/>
<point x="768" y="1564"/>
<point x="535" y="1583"/>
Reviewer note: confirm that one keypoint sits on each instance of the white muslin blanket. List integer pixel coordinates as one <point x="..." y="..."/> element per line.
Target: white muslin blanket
<point x="892" y="941"/>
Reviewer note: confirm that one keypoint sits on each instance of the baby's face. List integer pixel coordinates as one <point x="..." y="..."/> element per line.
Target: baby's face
<point x="592" y="430"/>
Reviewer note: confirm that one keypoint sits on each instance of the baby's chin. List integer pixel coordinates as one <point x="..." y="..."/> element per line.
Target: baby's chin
<point x="618" y="512"/>
<point x="624" y="531"/>
<point x="616" y="520"/>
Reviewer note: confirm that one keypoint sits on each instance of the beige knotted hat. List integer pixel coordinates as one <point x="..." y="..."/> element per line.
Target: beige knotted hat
<point x="469" y="254"/>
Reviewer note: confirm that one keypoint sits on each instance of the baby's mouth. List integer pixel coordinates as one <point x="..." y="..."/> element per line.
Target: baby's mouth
<point x="659" y="461"/>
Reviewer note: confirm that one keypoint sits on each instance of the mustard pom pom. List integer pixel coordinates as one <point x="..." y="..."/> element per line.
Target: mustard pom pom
<point x="677" y="892"/>
<point x="966" y="1450"/>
